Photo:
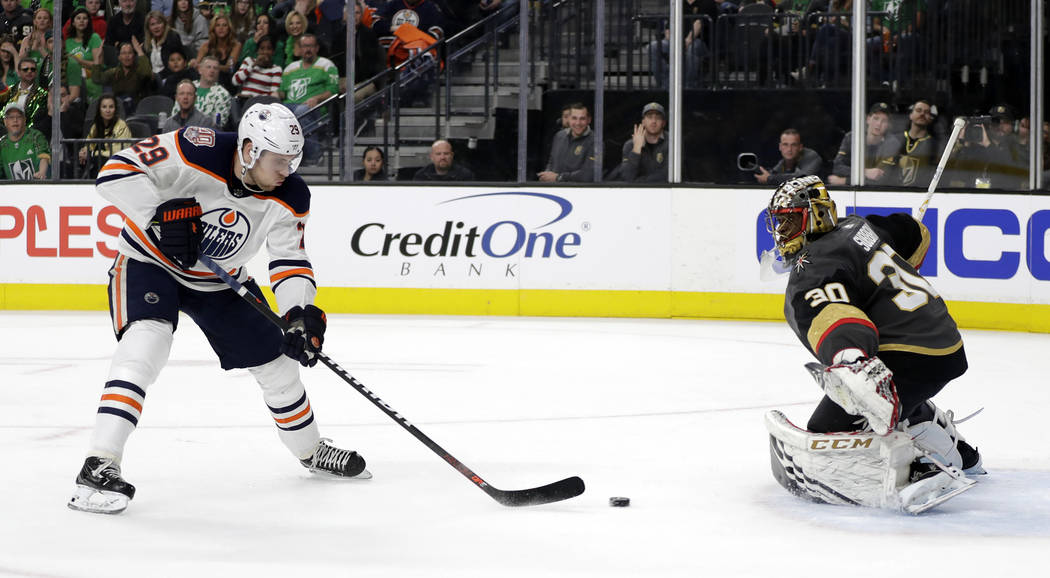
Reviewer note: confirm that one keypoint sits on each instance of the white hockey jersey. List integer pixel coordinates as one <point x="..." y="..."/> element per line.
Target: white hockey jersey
<point x="198" y="162"/>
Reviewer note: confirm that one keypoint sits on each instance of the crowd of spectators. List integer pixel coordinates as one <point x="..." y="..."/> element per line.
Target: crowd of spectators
<point x="210" y="57"/>
<point x="229" y="51"/>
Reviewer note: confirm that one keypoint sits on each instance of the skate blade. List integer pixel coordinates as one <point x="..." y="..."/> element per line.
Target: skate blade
<point x="364" y="475"/>
<point x="87" y="499"/>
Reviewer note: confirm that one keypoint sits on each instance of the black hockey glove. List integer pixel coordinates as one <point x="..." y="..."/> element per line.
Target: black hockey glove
<point x="305" y="334"/>
<point x="177" y="225"/>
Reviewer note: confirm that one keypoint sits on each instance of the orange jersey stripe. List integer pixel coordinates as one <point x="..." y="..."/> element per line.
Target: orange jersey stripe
<point x="122" y="399"/>
<point x="296" y="416"/>
<point x="284" y="274"/>
<point x="121" y="167"/>
<point x="178" y="147"/>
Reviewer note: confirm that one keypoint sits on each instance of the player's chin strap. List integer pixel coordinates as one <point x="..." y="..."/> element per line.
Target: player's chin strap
<point x="858" y="468"/>
<point x="245" y="167"/>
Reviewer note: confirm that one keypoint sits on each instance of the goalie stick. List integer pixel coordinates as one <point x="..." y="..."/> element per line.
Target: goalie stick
<point x="957" y="127"/>
<point x="555" y="492"/>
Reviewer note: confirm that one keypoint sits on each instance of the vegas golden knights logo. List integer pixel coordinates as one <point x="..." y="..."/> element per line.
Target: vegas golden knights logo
<point x="909" y="169"/>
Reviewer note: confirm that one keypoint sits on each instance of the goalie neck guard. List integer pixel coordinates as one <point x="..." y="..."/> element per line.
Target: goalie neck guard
<point x="270" y="127"/>
<point x="799" y="208"/>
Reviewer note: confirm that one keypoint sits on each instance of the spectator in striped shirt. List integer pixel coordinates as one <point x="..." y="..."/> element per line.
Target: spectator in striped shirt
<point x="258" y="76"/>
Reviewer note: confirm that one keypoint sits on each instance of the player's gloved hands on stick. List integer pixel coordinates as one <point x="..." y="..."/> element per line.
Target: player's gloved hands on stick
<point x="177" y="224"/>
<point x="305" y="334"/>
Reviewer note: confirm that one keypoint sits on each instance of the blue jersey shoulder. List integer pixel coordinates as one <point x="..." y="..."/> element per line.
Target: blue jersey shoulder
<point x="293" y="193"/>
<point x="207" y="149"/>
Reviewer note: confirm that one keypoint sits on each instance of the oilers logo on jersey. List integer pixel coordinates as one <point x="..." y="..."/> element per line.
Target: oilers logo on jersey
<point x="225" y="231"/>
<point x="404" y="16"/>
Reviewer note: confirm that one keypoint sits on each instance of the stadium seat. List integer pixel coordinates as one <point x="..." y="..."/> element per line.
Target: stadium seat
<point x="153" y="104"/>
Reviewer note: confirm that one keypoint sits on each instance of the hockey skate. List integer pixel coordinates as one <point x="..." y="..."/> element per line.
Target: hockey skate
<point x="329" y="460"/>
<point x="100" y="489"/>
<point x="935" y="432"/>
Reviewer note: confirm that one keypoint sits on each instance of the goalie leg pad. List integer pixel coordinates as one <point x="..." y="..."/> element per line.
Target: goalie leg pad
<point x="856" y="468"/>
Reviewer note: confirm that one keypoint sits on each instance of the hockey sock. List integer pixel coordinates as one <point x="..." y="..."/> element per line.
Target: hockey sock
<point x="141" y="354"/>
<point x="285" y="396"/>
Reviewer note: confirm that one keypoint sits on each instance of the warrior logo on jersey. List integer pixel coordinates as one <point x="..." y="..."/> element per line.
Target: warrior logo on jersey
<point x="403" y="16"/>
<point x="225" y="231"/>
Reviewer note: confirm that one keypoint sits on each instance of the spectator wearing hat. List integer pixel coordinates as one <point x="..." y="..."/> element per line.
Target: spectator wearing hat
<point x="644" y="157"/>
<point x="877" y="123"/>
<point x="572" y="150"/>
<point x="910" y="158"/>
<point x="24" y="152"/>
<point x="796" y="161"/>
<point x="1007" y="163"/>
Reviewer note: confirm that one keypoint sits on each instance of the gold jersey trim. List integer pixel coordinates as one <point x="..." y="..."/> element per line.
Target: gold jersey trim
<point x="935" y="351"/>
<point x="924" y="245"/>
<point x="829" y="316"/>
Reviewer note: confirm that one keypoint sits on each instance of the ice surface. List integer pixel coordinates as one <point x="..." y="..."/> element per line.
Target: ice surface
<point x="667" y="412"/>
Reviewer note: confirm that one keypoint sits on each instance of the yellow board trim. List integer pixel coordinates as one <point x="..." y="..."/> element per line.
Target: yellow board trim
<point x="652" y="304"/>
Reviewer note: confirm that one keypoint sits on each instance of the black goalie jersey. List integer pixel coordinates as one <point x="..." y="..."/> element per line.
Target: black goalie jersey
<point x="857" y="287"/>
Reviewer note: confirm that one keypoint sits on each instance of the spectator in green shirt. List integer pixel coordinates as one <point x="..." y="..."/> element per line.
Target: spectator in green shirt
<point x="308" y="82"/>
<point x="24" y="152"/>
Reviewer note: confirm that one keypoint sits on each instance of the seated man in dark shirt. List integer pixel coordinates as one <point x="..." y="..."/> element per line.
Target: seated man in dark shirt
<point x="796" y="161"/>
<point x="645" y="155"/>
<point x="441" y="167"/>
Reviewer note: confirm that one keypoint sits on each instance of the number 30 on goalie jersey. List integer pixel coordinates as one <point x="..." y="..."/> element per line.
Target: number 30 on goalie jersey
<point x="851" y="289"/>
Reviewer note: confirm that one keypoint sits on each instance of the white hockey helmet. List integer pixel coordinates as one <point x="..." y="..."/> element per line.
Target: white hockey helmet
<point x="270" y="127"/>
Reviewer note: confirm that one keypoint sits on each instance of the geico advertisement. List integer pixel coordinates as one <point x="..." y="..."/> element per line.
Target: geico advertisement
<point x="483" y="238"/>
<point x="56" y="234"/>
<point x="982" y="247"/>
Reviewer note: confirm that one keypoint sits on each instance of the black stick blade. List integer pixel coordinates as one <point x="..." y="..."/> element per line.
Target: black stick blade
<point x="556" y="492"/>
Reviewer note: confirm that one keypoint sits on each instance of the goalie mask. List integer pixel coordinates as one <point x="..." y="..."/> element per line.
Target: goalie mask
<point x="799" y="208"/>
<point x="270" y="127"/>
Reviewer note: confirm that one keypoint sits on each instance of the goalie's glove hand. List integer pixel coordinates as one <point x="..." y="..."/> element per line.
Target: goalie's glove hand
<point x="177" y="225"/>
<point x="864" y="387"/>
<point x="305" y="334"/>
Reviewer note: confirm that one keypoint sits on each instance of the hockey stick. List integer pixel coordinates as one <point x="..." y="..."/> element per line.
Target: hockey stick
<point x="556" y="492"/>
<point x="957" y="128"/>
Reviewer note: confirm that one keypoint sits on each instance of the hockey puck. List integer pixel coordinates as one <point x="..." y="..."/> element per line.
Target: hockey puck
<point x="619" y="502"/>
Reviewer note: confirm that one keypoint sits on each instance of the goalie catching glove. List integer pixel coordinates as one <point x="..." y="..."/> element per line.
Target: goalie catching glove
<point x="861" y="387"/>
<point x="177" y="226"/>
<point x="305" y="334"/>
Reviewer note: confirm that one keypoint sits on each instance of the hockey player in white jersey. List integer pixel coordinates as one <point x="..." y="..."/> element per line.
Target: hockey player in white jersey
<point x="196" y="191"/>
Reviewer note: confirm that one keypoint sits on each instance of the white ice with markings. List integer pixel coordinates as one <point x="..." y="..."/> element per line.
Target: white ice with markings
<point x="666" y="412"/>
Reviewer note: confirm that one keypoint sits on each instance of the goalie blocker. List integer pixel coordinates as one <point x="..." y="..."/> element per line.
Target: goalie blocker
<point x="858" y="468"/>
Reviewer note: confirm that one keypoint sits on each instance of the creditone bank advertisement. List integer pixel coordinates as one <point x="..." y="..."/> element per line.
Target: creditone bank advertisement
<point x="479" y="238"/>
<point x="991" y="248"/>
